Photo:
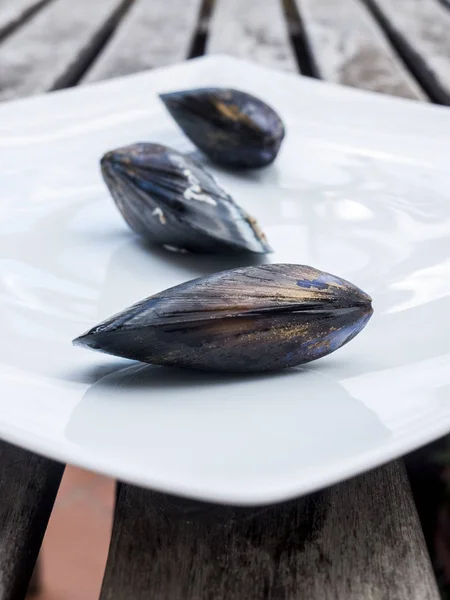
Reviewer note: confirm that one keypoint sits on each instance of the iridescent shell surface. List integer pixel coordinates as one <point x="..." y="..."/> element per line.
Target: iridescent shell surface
<point x="231" y="127"/>
<point x="171" y="200"/>
<point x="247" y="319"/>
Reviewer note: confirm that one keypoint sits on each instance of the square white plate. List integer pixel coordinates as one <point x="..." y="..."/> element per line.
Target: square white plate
<point x="361" y="189"/>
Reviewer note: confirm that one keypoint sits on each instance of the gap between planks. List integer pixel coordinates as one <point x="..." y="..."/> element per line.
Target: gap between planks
<point x="29" y="62"/>
<point x="420" y="30"/>
<point x="255" y="30"/>
<point x="153" y="34"/>
<point x="348" y="47"/>
<point x="16" y="13"/>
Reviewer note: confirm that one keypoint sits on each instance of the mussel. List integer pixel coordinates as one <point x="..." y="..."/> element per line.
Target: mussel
<point x="171" y="200"/>
<point x="231" y="127"/>
<point x="247" y="319"/>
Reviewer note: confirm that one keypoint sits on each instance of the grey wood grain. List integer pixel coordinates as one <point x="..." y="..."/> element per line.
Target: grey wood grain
<point x="349" y="47"/>
<point x="255" y="30"/>
<point x="13" y="13"/>
<point x="28" y="486"/>
<point x="152" y="34"/>
<point x="47" y="52"/>
<point x="421" y="30"/>
<point x="360" y="540"/>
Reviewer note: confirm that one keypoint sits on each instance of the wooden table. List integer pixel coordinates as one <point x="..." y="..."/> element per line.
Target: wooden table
<point x="360" y="540"/>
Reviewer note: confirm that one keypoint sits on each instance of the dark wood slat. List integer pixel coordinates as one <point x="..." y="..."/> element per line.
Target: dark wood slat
<point x="359" y="540"/>
<point x="421" y="30"/>
<point x="49" y="50"/>
<point x="28" y="487"/>
<point x="13" y="13"/>
<point x="349" y="47"/>
<point x="152" y="34"/>
<point x="255" y="30"/>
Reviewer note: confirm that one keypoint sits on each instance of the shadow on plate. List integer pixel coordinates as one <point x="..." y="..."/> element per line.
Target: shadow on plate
<point x="266" y="175"/>
<point x="234" y="430"/>
<point x="204" y="264"/>
<point x="131" y="375"/>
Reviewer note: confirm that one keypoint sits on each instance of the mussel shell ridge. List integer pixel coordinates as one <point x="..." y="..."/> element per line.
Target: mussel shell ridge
<point x="247" y="319"/>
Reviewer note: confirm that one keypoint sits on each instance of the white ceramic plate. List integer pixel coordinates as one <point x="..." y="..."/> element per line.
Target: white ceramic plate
<point x="361" y="188"/>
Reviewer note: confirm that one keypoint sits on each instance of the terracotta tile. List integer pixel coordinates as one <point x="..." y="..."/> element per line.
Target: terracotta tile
<point x="103" y="492"/>
<point x="76" y="479"/>
<point x="75" y="546"/>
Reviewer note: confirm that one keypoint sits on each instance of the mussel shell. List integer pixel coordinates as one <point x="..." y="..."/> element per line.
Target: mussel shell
<point x="247" y="319"/>
<point x="171" y="200"/>
<point x="231" y="127"/>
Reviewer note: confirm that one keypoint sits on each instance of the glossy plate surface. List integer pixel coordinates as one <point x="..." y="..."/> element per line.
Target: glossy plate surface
<point x="361" y="188"/>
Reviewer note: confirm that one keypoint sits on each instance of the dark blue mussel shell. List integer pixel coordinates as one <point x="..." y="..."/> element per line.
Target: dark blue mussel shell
<point x="171" y="200"/>
<point x="231" y="127"/>
<point x="248" y="319"/>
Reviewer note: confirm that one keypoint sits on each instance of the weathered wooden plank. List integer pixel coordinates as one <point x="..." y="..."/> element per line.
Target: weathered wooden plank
<point x="152" y="34"/>
<point x="348" y="47"/>
<point x="13" y="13"/>
<point x="357" y="540"/>
<point x="254" y="29"/>
<point x="421" y="30"/>
<point x="28" y="487"/>
<point x="50" y="49"/>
